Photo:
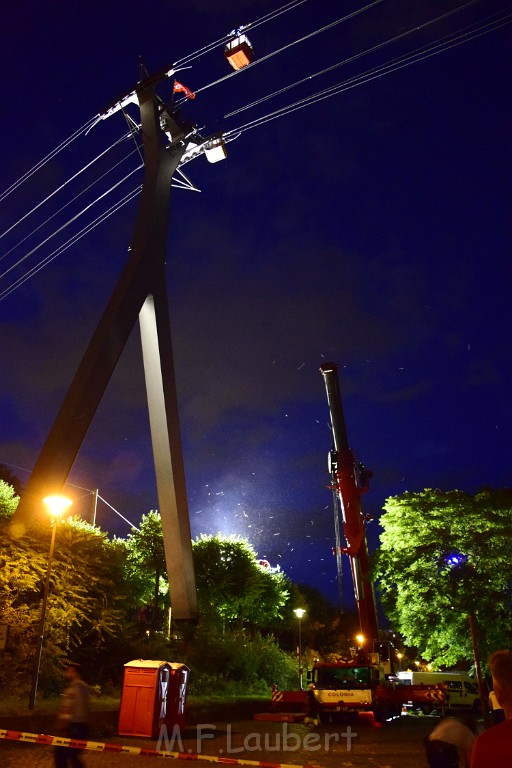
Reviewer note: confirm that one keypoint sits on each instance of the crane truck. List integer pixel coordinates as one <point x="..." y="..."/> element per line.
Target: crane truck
<point x="365" y="682"/>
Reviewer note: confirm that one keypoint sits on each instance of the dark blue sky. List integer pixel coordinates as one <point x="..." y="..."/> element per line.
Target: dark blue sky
<point x="371" y="229"/>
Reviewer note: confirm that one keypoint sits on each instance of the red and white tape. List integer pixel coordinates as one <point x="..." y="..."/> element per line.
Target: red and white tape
<point x="95" y="746"/>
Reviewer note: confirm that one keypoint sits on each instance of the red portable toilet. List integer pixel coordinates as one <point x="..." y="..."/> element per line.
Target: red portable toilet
<point x="154" y="695"/>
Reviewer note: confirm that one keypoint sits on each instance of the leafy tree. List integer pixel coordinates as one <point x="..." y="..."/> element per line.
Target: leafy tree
<point x="86" y="603"/>
<point x="328" y="632"/>
<point x="146" y="564"/>
<point x="443" y="556"/>
<point x="8" y="477"/>
<point x="8" y="500"/>
<point x="233" y="588"/>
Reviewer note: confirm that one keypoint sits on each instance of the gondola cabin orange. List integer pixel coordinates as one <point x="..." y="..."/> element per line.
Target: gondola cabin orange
<point x="239" y="52"/>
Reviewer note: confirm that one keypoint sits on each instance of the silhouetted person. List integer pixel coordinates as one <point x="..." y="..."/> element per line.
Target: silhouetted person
<point x="449" y="745"/>
<point x="494" y="746"/>
<point x="72" y="717"/>
<point x="312" y="708"/>
<point x="497" y="713"/>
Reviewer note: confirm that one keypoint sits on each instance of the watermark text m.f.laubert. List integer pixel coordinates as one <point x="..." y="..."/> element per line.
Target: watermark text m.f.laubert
<point x="282" y="740"/>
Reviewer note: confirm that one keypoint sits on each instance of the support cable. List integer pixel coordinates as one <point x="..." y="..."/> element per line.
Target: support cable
<point x="211" y="46"/>
<point x="371" y="74"/>
<point x="69" y="221"/>
<point x="62" y="186"/>
<point x="291" y="45"/>
<point x="350" y="59"/>
<point x="118" y="513"/>
<point x="46" y="159"/>
<point x="133" y="128"/>
<point x="66" y="205"/>
<point x="72" y="240"/>
<point x="427" y="51"/>
<point x="339" y="559"/>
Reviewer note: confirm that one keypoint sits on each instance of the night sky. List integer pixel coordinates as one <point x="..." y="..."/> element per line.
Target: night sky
<point x="371" y="229"/>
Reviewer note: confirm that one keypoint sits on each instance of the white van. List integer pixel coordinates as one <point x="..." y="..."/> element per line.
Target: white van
<point x="462" y="689"/>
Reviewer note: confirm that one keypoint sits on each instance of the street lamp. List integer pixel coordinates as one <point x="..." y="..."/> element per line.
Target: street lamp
<point x="399" y="657"/>
<point x="56" y="506"/>
<point x="299" y="612"/>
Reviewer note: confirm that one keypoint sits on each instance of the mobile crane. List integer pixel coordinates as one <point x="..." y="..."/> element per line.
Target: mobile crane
<point x="350" y="480"/>
<point x="364" y="682"/>
<point x="361" y="682"/>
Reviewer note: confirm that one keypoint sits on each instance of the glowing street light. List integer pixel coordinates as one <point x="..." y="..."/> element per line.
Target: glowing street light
<point x="299" y="612"/>
<point x="399" y="657"/>
<point x="56" y="507"/>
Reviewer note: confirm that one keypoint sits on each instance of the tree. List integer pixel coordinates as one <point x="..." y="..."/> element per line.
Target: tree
<point x="443" y="556"/>
<point x="86" y="604"/>
<point x="8" y="500"/>
<point x="146" y="564"/>
<point x="233" y="588"/>
<point x="8" y="477"/>
<point x="326" y="631"/>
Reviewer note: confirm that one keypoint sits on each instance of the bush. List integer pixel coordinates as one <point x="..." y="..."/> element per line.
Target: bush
<point x="237" y="664"/>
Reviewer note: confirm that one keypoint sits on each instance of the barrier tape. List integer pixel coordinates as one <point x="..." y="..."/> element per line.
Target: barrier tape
<point x="94" y="746"/>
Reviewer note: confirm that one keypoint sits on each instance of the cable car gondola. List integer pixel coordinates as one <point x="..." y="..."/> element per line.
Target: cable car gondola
<point x="239" y="51"/>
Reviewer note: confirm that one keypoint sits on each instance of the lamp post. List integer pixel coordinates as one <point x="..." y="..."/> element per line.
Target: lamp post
<point x="56" y="506"/>
<point x="299" y="612"/>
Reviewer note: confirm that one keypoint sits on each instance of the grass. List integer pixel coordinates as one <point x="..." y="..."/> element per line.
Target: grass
<point x="18" y="706"/>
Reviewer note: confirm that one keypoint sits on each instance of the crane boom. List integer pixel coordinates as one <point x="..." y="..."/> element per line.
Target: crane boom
<point x="350" y="482"/>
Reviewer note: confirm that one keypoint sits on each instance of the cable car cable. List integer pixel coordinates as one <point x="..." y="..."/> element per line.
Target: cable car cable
<point x="66" y="205"/>
<point x="341" y="87"/>
<point x="68" y="222"/>
<point x="46" y="159"/>
<point x="52" y="194"/>
<point x="211" y="46"/>
<point x="72" y="240"/>
<point x="350" y="59"/>
<point x="293" y="43"/>
<point x="450" y="41"/>
<point x="454" y="40"/>
<point x="373" y="74"/>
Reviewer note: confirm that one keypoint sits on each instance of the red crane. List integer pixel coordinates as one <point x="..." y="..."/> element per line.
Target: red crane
<point x="350" y="480"/>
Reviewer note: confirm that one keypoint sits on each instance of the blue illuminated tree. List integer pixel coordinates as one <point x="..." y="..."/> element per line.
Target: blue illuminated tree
<point x="443" y="556"/>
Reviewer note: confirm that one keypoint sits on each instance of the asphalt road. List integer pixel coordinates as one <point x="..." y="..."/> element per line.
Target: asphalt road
<point x="398" y="744"/>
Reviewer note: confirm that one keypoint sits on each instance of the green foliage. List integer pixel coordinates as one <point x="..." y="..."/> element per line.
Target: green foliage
<point x="325" y="629"/>
<point x="8" y="500"/>
<point x="146" y="567"/>
<point x="97" y="584"/>
<point x="86" y="600"/>
<point x="232" y="587"/>
<point x="222" y="663"/>
<point x="445" y="555"/>
<point x="8" y="477"/>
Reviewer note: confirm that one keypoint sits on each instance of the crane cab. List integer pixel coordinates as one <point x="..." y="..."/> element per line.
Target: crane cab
<point x="239" y="51"/>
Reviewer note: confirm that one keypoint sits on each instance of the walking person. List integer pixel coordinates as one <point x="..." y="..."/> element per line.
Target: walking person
<point x="72" y="717"/>
<point x="312" y="708"/>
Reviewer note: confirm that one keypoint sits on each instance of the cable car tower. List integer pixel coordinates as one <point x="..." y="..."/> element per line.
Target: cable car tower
<point x="141" y="292"/>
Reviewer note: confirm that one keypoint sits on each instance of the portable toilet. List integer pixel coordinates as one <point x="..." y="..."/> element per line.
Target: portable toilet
<point x="154" y="695"/>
